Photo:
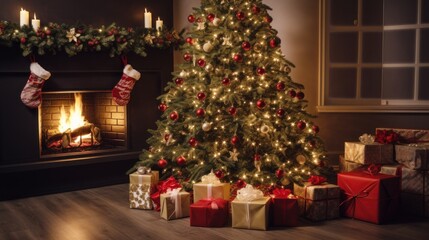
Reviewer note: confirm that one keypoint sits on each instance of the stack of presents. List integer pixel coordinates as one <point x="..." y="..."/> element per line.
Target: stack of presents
<point x="375" y="178"/>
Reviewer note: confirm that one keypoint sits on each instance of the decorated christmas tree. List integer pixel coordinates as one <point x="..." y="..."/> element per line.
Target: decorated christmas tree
<point x="232" y="106"/>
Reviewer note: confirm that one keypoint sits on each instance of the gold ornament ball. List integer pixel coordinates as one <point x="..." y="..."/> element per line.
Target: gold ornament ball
<point x="206" y="126"/>
<point x="208" y="47"/>
<point x="285" y="181"/>
<point x="301" y="159"/>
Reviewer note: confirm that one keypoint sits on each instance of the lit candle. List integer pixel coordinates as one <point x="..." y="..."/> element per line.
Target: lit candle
<point x="24" y="18"/>
<point x="159" y="24"/>
<point x="35" y="23"/>
<point x="147" y="19"/>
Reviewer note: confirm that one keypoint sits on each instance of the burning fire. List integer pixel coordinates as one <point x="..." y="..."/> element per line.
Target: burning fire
<point x="74" y="119"/>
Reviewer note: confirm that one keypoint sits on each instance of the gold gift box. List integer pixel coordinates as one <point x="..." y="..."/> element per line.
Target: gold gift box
<point x="348" y="166"/>
<point x="168" y="206"/>
<point x="413" y="156"/>
<point x="376" y="153"/>
<point x="140" y="188"/>
<point x="251" y="215"/>
<point x="219" y="190"/>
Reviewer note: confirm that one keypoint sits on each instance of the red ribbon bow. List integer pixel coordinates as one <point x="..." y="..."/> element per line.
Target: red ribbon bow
<point x="374" y="169"/>
<point x="317" y="180"/>
<point x="163" y="186"/>
<point x="212" y="203"/>
<point x="281" y="192"/>
<point x="386" y="136"/>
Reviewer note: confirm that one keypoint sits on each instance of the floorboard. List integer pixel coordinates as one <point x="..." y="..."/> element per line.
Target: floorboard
<point x="103" y="213"/>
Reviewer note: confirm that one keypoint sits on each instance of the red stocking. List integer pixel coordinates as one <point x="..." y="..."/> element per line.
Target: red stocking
<point x="121" y="93"/>
<point x="31" y="95"/>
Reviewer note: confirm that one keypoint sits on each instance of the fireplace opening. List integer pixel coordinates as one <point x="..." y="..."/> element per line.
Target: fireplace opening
<point x="85" y="122"/>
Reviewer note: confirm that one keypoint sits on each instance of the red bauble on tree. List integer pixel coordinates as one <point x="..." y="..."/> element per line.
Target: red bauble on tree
<point x="179" y="81"/>
<point x="257" y="157"/>
<point x="174" y="116"/>
<point x="315" y="129"/>
<point x="274" y="42"/>
<point x="201" y="96"/>
<point x="187" y="57"/>
<point x="240" y="15"/>
<point x="261" y="104"/>
<point x="232" y="110"/>
<point x="200" y="112"/>
<point x="162" y="107"/>
<point x="301" y="125"/>
<point x="193" y="142"/>
<point x="181" y="160"/>
<point x="246" y="46"/>
<point x="226" y="81"/>
<point x="280" y="173"/>
<point x="189" y="40"/>
<point x="219" y="174"/>
<point x="292" y="93"/>
<point x="260" y="71"/>
<point x="167" y="137"/>
<point x="211" y="17"/>
<point x="240" y="183"/>
<point x="256" y="9"/>
<point x="268" y="19"/>
<point x="300" y="95"/>
<point x="280" y="112"/>
<point x="201" y="62"/>
<point x="191" y="18"/>
<point x="238" y="58"/>
<point x="162" y="163"/>
<point x="235" y="140"/>
<point x="280" y="86"/>
<point x="23" y="40"/>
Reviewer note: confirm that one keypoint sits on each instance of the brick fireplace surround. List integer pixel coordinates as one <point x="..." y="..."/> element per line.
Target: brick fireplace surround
<point x="23" y="170"/>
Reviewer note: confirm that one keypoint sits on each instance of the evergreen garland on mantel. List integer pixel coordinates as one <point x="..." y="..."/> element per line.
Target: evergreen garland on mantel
<point x="79" y="38"/>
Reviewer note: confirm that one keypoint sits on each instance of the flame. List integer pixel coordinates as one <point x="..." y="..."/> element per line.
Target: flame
<point x="74" y="119"/>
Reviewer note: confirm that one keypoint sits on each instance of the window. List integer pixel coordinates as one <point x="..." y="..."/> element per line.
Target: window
<point x="375" y="55"/>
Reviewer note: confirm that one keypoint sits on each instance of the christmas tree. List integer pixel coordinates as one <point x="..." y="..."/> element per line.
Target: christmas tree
<point x="232" y="106"/>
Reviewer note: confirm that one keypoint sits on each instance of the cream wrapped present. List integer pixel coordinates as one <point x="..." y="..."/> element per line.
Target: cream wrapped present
<point x="210" y="187"/>
<point x="175" y="204"/>
<point x="414" y="156"/>
<point x="142" y="184"/>
<point x="348" y="166"/>
<point x="250" y="209"/>
<point x="374" y="153"/>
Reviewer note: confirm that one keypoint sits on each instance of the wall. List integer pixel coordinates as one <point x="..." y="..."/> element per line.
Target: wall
<point x="297" y="22"/>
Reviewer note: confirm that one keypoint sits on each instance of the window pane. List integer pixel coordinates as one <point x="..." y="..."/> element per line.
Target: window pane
<point x="343" y="12"/>
<point x="399" y="46"/>
<point x="398" y="83"/>
<point x="425" y="11"/>
<point x="397" y="12"/>
<point x="371" y="83"/>
<point x="372" y="12"/>
<point x="372" y="43"/>
<point x="342" y="83"/>
<point x="424" y="84"/>
<point x="343" y="47"/>
<point x="424" y="46"/>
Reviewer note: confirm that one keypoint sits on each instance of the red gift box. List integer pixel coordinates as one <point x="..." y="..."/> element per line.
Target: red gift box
<point x="369" y="197"/>
<point x="285" y="209"/>
<point x="209" y="213"/>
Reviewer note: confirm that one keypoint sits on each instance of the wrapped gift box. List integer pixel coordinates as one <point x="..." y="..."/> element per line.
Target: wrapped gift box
<point x="409" y="135"/>
<point x="209" y="213"/>
<point x="211" y="187"/>
<point x="175" y="204"/>
<point x="140" y="189"/>
<point x="372" y="198"/>
<point x="318" y="202"/>
<point x="348" y="166"/>
<point x="414" y="156"/>
<point x="376" y="153"/>
<point x="284" y="209"/>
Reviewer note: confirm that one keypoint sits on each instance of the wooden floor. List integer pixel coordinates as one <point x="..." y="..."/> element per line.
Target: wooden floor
<point x="103" y="213"/>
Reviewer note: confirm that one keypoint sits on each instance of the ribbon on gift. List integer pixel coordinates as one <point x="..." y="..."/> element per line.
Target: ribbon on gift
<point x="142" y="170"/>
<point x="317" y="180"/>
<point x="386" y="136"/>
<point x="367" y="138"/>
<point x="247" y="195"/>
<point x="373" y="169"/>
<point x="163" y="186"/>
<point x="282" y="193"/>
<point x="352" y="197"/>
<point x="175" y="198"/>
<point x="210" y="179"/>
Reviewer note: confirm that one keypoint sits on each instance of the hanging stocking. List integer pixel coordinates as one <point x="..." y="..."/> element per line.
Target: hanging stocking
<point x="31" y="95"/>
<point x="122" y="91"/>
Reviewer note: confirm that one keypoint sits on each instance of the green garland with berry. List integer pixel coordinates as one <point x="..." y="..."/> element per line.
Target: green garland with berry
<point x="114" y="39"/>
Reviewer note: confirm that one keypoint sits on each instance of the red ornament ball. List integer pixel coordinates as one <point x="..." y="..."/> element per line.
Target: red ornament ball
<point x="235" y="140"/>
<point x="280" y="112"/>
<point x="200" y="112"/>
<point x="193" y="142"/>
<point x="280" y="86"/>
<point x="201" y="62"/>
<point x="191" y="18"/>
<point x="179" y="81"/>
<point x="240" y="183"/>
<point x="187" y="57"/>
<point x="300" y="95"/>
<point x="166" y="137"/>
<point x="315" y="129"/>
<point x="162" y="107"/>
<point x="211" y="17"/>
<point x="257" y="157"/>
<point x="181" y="160"/>
<point x="260" y="104"/>
<point x="292" y="93"/>
<point x="201" y="96"/>
<point x="238" y="58"/>
<point x="280" y="173"/>
<point x="274" y="42"/>
<point x="301" y="125"/>
<point x="48" y="31"/>
<point x="268" y="19"/>
<point x="189" y="40"/>
<point x="232" y="110"/>
<point x="240" y="15"/>
<point x="260" y="71"/>
<point x="219" y="173"/>
<point x="246" y="46"/>
<point x="174" y="116"/>
<point x="162" y="163"/>
<point x="256" y="9"/>
<point x="23" y="40"/>
<point x="226" y="81"/>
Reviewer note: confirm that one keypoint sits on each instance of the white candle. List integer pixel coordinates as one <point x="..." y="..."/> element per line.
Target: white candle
<point x="147" y="19"/>
<point x="24" y="18"/>
<point x="35" y="23"/>
<point x="159" y="24"/>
